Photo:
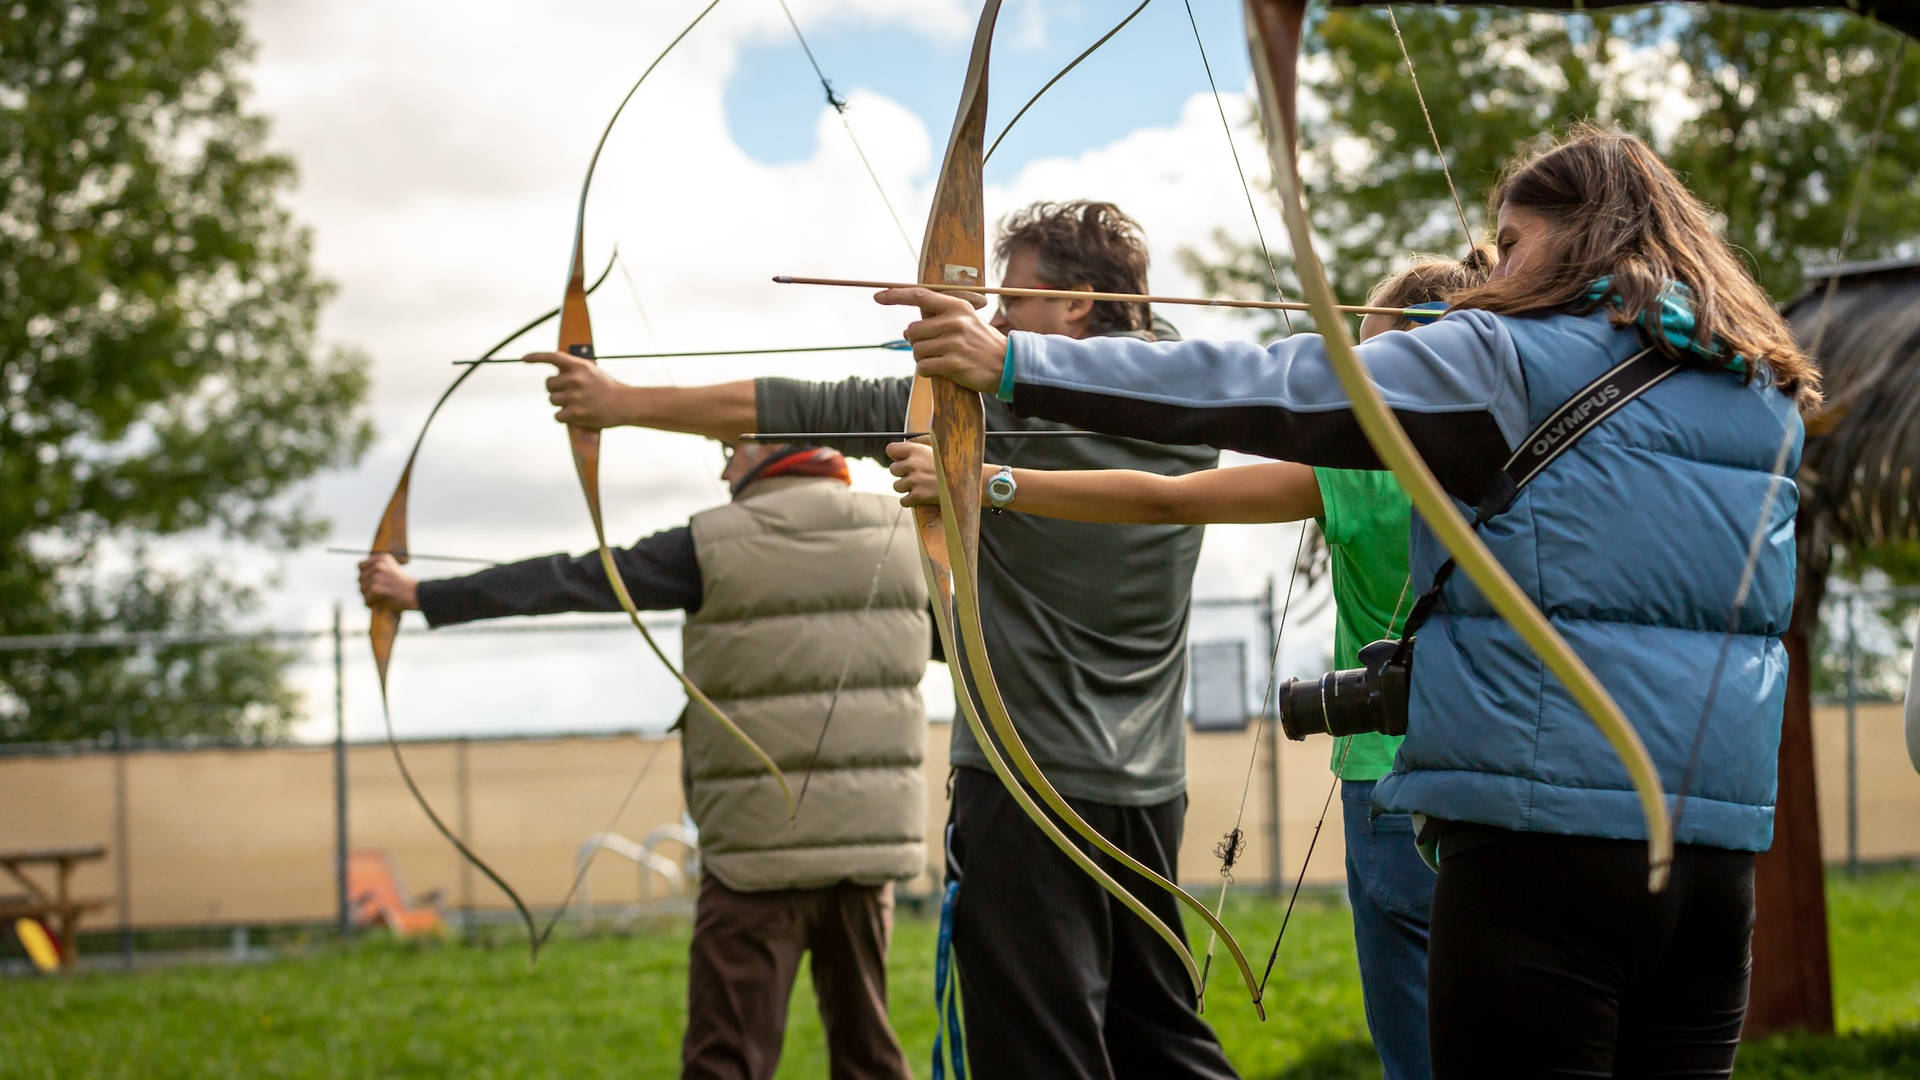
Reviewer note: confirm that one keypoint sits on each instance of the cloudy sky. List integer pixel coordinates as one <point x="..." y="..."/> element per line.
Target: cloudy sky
<point x="441" y="149"/>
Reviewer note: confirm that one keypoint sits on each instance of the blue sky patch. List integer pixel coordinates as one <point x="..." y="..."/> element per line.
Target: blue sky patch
<point x="1141" y="78"/>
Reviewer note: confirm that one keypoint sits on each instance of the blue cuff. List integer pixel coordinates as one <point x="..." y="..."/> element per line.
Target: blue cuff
<point x="1005" y="392"/>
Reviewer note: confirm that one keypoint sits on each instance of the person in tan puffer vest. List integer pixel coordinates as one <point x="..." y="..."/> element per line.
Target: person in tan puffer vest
<point x="807" y="624"/>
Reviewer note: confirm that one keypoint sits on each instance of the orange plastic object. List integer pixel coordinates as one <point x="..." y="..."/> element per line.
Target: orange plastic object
<point x="375" y="893"/>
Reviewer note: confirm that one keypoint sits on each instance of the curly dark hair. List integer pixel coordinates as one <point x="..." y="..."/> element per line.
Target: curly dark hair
<point x="1084" y="244"/>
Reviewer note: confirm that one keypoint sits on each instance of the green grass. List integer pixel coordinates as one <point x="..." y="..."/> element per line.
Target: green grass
<point x="611" y="1006"/>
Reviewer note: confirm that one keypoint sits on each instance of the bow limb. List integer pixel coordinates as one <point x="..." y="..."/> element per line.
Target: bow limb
<point x="1274" y="30"/>
<point x="954" y="253"/>
<point x="383" y="624"/>
<point x="966" y="614"/>
<point x="576" y="339"/>
<point x="942" y="575"/>
<point x="390" y="536"/>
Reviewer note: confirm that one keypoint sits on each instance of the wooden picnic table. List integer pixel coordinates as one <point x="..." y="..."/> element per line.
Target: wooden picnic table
<point x="57" y="902"/>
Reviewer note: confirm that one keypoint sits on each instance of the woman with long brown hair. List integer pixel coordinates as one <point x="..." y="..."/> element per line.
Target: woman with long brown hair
<point x="1548" y="955"/>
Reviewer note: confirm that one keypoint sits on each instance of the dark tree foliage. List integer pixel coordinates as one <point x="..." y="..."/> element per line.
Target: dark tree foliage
<point x="1766" y="115"/>
<point x="159" y="368"/>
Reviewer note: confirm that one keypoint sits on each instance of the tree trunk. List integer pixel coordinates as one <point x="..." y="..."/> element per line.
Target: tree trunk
<point x="1792" y="975"/>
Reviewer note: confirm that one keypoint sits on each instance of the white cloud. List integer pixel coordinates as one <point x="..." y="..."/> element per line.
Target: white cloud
<point x="442" y="149"/>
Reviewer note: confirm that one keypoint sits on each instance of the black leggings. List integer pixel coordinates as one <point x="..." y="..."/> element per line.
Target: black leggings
<point x="1549" y="958"/>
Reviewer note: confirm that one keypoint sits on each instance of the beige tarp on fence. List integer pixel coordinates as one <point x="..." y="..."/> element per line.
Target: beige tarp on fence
<point x="247" y="836"/>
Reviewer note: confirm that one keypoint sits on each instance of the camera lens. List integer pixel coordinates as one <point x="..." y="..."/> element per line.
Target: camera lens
<point x="1337" y="703"/>
<point x="1303" y="707"/>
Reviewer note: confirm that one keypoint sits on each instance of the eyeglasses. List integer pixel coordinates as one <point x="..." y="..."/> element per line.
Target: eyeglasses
<point x="1005" y="303"/>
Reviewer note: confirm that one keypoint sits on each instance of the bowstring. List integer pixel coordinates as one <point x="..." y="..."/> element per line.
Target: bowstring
<point x="639" y="306"/>
<point x="1236" y="837"/>
<point x="1268" y="703"/>
<point x="1413" y="76"/>
<point x="873" y="583"/>
<point x="839" y="105"/>
<point x="840" y="109"/>
<point x="1307" y="860"/>
<point x="664" y="360"/>
<point x="1061" y="74"/>
<point x="846" y="666"/>
<point x="1756" y="540"/>
<point x="1226" y="128"/>
<point x="633" y="788"/>
<point x="580" y="875"/>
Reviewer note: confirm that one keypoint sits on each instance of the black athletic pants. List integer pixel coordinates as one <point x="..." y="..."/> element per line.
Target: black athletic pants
<point x="1058" y="980"/>
<point x="1549" y="958"/>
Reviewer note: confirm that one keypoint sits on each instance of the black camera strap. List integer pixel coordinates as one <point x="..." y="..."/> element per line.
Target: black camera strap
<point x="1585" y="410"/>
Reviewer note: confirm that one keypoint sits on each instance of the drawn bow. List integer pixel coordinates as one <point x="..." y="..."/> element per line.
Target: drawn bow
<point x="383" y="624"/>
<point x="576" y="339"/>
<point x="954" y="253"/>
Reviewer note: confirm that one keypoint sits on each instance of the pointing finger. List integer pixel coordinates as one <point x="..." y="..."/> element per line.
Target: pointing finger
<point x="558" y="359"/>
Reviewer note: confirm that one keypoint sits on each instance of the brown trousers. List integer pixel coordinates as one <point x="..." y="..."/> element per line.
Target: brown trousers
<point x="741" y="967"/>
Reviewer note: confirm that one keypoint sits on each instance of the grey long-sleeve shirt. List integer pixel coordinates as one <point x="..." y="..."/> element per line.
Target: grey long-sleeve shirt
<point x="1086" y="624"/>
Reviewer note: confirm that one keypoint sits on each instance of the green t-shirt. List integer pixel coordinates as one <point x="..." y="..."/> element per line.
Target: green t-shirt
<point x="1366" y="520"/>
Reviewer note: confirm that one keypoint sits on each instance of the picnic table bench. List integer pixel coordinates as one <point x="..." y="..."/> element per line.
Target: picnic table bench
<point x="55" y="904"/>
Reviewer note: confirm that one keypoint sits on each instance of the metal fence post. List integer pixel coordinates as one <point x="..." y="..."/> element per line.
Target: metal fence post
<point x="122" y="872"/>
<point x="1853" y="739"/>
<point x="463" y="789"/>
<point x="341" y="900"/>
<point x="1277" y="876"/>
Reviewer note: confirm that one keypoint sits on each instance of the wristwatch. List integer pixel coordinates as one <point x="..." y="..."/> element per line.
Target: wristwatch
<point x="1001" y="489"/>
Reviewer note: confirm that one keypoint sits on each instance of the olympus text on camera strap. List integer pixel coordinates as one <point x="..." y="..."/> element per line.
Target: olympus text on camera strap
<point x="1585" y="410"/>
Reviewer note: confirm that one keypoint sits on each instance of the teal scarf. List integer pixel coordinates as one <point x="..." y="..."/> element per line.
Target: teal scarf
<point x="1672" y="318"/>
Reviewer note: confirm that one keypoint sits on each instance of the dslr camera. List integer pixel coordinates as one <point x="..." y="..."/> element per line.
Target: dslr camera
<point x="1371" y="697"/>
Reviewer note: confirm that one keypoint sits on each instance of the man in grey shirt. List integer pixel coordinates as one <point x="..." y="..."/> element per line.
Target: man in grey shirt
<point x="1087" y="624"/>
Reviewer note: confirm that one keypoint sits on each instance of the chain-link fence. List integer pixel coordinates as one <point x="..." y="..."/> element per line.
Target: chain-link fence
<point x="203" y="834"/>
<point x="1867" y="782"/>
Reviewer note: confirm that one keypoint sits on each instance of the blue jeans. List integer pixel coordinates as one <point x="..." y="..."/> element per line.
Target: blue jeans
<point x="1392" y="895"/>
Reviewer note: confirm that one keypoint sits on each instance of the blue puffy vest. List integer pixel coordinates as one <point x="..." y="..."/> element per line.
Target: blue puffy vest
<point x="1632" y="543"/>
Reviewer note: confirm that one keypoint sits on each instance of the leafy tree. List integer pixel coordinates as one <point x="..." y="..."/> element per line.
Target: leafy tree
<point x="200" y="684"/>
<point x="159" y="368"/>
<point x="1766" y="115"/>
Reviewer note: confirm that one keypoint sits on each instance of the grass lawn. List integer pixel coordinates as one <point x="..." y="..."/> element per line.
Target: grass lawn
<point x="611" y="1006"/>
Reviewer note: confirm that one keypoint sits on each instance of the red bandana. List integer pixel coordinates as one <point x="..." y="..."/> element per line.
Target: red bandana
<point x="801" y="461"/>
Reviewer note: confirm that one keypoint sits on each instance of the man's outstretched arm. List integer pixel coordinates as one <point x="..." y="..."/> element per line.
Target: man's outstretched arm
<point x="661" y="572"/>
<point x="587" y="395"/>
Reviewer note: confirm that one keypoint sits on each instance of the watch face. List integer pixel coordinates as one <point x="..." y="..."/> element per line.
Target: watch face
<point x="1000" y="489"/>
